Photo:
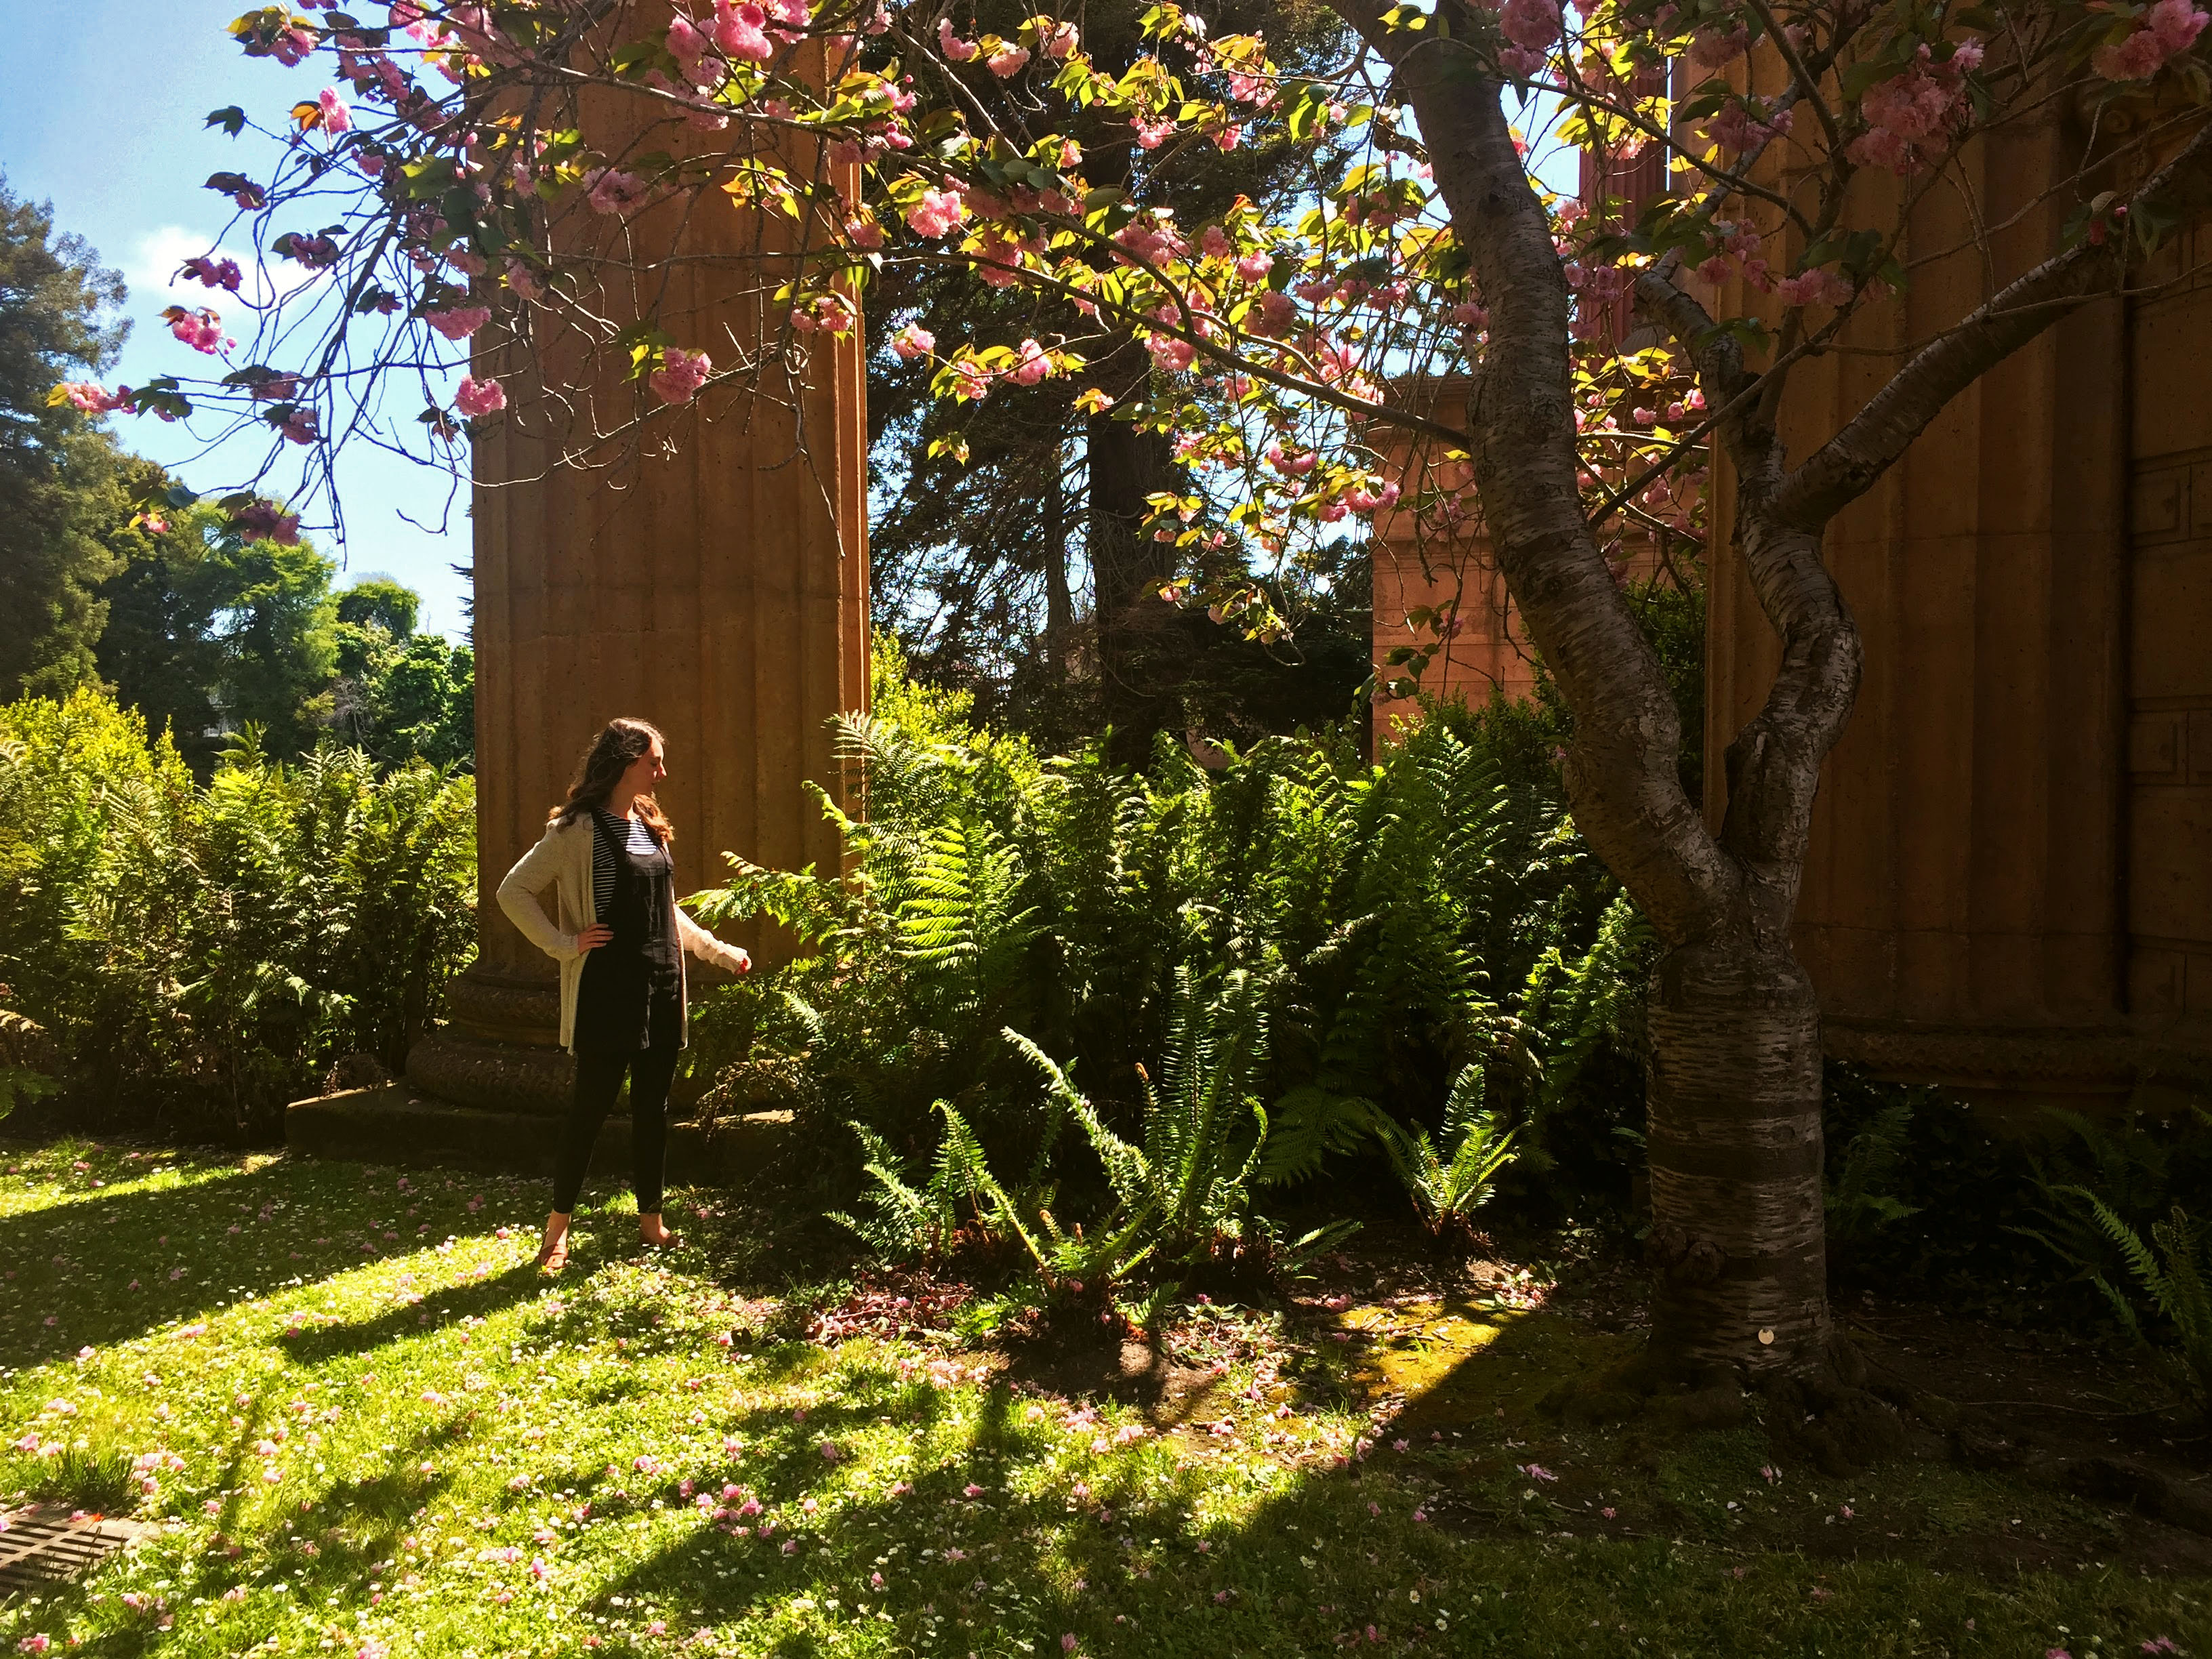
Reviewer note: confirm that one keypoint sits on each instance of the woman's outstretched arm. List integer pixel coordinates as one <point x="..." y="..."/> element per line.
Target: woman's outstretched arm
<point x="704" y="945"/>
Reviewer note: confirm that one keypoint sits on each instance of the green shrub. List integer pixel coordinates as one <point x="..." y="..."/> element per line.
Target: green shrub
<point x="209" y="950"/>
<point x="1381" y="926"/>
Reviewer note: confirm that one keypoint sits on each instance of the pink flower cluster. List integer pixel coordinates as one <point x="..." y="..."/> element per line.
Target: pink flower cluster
<point x="93" y="399"/>
<point x="1814" y="288"/>
<point x="937" y="213"/>
<point x="1531" y="27"/>
<point x="1741" y="126"/>
<point x="912" y="342"/>
<point x="609" y="189"/>
<point x="459" y="322"/>
<point x="827" y="313"/>
<point x="959" y="51"/>
<point x="266" y="520"/>
<point x="2166" y="31"/>
<point x="1913" y="117"/>
<point x="680" y="375"/>
<point x="480" y="397"/>
<point x="225" y="275"/>
<point x="201" y="330"/>
<point x="1032" y="364"/>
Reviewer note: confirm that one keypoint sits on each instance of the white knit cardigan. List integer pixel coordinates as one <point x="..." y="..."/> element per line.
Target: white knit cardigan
<point x="562" y="861"/>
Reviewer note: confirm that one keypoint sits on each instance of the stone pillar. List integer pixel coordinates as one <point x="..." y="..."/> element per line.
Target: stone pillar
<point x="1987" y="901"/>
<point x="1444" y="566"/>
<point x="709" y="575"/>
<point x="1433" y="566"/>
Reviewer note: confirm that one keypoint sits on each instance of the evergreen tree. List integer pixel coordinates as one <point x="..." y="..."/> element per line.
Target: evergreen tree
<point x="57" y="467"/>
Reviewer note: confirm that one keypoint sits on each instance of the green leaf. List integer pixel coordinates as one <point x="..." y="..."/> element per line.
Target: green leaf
<point x="231" y="119"/>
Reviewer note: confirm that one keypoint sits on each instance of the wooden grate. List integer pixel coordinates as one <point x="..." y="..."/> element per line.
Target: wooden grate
<point x="44" y="1546"/>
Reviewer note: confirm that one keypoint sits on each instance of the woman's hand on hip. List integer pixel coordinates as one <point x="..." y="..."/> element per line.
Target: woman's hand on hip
<point x="593" y="937"/>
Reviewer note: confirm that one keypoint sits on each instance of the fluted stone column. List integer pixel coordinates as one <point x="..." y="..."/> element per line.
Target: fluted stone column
<point x="709" y="575"/>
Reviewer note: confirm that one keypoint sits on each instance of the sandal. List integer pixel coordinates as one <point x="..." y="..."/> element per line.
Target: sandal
<point x="673" y="1242"/>
<point x="555" y="1256"/>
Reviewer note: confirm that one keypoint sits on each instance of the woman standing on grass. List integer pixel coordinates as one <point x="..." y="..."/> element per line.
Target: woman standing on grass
<point x="620" y="941"/>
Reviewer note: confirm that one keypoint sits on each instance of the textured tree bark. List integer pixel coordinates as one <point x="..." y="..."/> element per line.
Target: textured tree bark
<point x="1738" y="1243"/>
<point x="1128" y="567"/>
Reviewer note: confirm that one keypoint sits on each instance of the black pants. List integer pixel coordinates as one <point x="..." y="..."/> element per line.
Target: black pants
<point x="599" y="1080"/>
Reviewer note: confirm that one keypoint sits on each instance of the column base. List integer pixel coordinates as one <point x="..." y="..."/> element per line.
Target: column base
<point x="499" y="1050"/>
<point x="2013" y="1072"/>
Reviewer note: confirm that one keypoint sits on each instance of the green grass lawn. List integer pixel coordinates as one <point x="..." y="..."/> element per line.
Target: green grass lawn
<point x="364" y="1424"/>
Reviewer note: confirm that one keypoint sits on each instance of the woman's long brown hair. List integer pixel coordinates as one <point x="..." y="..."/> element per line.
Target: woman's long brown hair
<point x="612" y="753"/>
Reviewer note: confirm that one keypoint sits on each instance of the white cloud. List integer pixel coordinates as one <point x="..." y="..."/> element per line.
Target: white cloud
<point x="155" y="260"/>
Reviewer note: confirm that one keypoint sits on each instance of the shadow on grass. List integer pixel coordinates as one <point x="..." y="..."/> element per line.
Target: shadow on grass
<point x="318" y="1344"/>
<point x="226" y="1236"/>
<point x="1469" y="1524"/>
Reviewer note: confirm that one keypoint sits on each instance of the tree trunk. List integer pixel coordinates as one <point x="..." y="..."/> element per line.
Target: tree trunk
<point x="1136" y="670"/>
<point x="1059" y="599"/>
<point x="1738" y="1239"/>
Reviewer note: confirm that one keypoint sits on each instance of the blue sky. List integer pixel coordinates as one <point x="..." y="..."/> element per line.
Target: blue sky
<point x="100" y="111"/>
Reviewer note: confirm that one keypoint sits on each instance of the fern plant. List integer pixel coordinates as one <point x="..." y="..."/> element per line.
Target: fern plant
<point x="1451" y="1177"/>
<point x="1857" y="1206"/>
<point x="1184" y="1192"/>
<point x="2173" y="1271"/>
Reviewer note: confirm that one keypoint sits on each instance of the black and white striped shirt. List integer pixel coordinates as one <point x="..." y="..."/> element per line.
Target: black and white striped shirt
<point x="627" y="832"/>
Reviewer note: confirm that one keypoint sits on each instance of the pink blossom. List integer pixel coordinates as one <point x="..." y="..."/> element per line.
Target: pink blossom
<point x="1170" y="353"/>
<point x="1710" y="48"/>
<point x="912" y="342"/>
<point x="200" y="329"/>
<point x="864" y="233"/>
<point x="1255" y="267"/>
<point x="1533" y="24"/>
<point x="1277" y="314"/>
<point x="2166" y="30"/>
<point x="1814" y="288"/>
<point x="1007" y="61"/>
<point x="32" y="1644"/>
<point x="1031" y="364"/>
<point x="337" y="118"/>
<point x="1911" y="117"/>
<point x="681" y="374"/>
<point x="225" y="275"/>
<point x="526" y="283"/>
<point x="959" y="51"/>
<point x="93" y="399"/>
<point x="1151" y="135"/>
<point x="265" y="519"/>
<point x="936" y="213"/>
<point x="1213" y="242"/>
<point x="609" y="190"/>
<point x="480" y="397"/>
<point x="459" y="322"/>
<point x="686" y="45"/>
<point x="738" y="32"/>
<point x="971" y="383"/>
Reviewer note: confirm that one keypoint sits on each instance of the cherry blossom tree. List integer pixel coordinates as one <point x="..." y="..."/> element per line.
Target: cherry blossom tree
<point x="477" y="180"/>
